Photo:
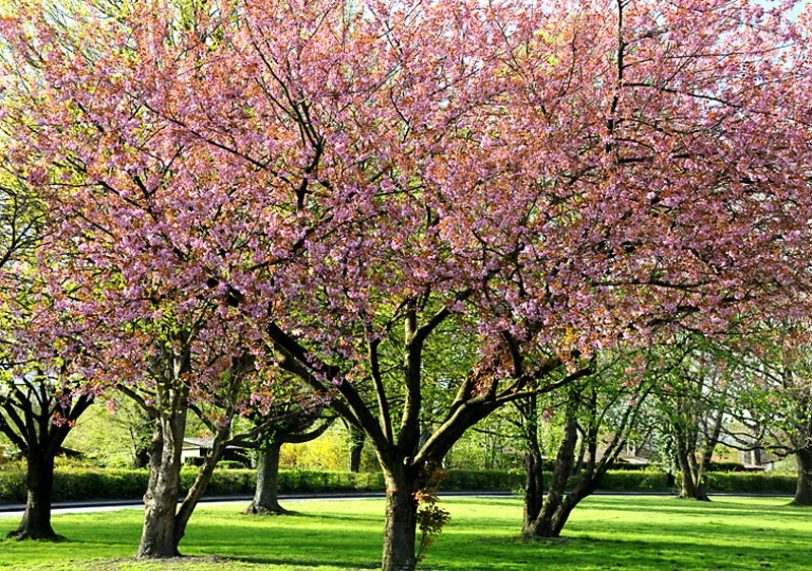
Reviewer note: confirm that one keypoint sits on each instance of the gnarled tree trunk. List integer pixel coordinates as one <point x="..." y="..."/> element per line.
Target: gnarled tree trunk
<point x="36" y="522"/>
<point x="401" y="521"/>
<point x="266" y="493"/>
<point x="693" y="481"/>
<point x="159" y="538"/>
<point x="29" y="423"/>
<point x="803" y="490"/>
<point x="558" y="505"/>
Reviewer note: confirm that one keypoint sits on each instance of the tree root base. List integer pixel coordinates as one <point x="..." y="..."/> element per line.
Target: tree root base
<point x="253" y="510"/>
<point x="22" y="535"/>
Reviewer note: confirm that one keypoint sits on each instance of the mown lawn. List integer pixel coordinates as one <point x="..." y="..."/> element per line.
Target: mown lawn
<point x="648" y="533"/>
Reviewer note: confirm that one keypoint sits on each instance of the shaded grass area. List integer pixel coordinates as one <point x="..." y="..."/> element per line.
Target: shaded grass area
<point x="646" y="533"/>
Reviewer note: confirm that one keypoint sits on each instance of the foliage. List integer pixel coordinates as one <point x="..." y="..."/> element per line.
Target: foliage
<point x="88" y="483"/>
<point x="431" y="518"/>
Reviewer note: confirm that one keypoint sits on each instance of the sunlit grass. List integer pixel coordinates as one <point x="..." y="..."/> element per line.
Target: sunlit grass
<point x="648" y="533"/>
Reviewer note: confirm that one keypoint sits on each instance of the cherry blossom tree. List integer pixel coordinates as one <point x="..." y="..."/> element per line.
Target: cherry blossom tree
<point x="38" y="405"/>
<point x="133" y="219"/>
<point x="286" y="421"/>
<point x="346" y="189"/>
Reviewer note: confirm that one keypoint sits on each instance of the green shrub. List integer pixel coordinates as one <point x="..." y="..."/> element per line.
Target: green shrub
<point x="76" y="483"/>
<point x="12" y="482"/>
<point x="486" y="480"/>
<point x="231" y="465"/>
<point x="635" y="481"/>
<point x="726" y="467"/>
<point x="751" y="482"/>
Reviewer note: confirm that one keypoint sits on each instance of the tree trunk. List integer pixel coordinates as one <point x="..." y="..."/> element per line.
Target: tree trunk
<point x="533" y="492"/>
<point x="693" y="483"/>
<point x="803" y="491"/>
<point x="401" y="522"/>
<point x="356" y="447"/>
<point x="159" y="538"/>
<point x="701" y="492"/>
<point x="266" y="493"/>
<point x="687" y="486"/>
<point x="36" y="522"/>
<point x="552" y="520"/>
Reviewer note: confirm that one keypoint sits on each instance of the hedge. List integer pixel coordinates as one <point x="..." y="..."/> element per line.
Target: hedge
<point x="83" y="483"/>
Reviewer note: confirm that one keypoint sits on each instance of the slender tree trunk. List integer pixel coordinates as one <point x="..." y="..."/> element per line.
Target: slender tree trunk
<point x="699" y="472"/>
<point x="687" y="485"/>
<point x="534" y="463"/>
<point x="159" y="538"/>
<point x="533" y="492"/>
<point x="266" y="493"/>
<point x="356" y="446"/>
<point x="36" y="522"/>
<point x="401" y="521"/>
<point x="198" y="487"/>
<point x="803" y="491"/>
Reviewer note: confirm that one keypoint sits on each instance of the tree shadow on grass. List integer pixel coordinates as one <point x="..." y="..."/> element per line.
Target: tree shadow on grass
<point x="590" y="553"/>
<point x="700" y="508"/>
<point x="308" y="563"/>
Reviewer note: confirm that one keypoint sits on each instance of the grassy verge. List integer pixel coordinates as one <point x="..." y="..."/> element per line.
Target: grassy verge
<point x="641" y="533"/>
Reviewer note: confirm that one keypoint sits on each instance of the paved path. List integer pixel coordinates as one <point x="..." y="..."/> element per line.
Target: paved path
<point x="16" y="510"/>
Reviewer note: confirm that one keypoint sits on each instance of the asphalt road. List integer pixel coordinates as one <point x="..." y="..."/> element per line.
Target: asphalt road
<point x="16" y="510"/>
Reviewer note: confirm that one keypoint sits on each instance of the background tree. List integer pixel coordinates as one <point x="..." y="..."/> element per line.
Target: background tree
<point x="599" y="414"/>
<point x="355" y="447"/>
<point x="38" y="404"/>
<point x="695" y="403"/>
<point x="774" y="396"/>
<point x="286" y="421"/>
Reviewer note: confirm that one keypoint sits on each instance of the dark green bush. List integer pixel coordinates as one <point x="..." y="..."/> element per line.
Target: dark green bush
<point x="751" y="482"/>
<point x="726" y="467"/>
<point x="12" y="482"/>
<point x="493" y="480"/>
<point x="635" y="481"/>
<point x="231" y="465"/>
<point x="74" y="483"/>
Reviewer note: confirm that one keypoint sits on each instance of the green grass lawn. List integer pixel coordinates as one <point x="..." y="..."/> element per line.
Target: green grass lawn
<point x="650" y="533"/>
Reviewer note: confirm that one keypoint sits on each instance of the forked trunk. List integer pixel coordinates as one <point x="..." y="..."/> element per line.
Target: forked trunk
<point x="36" y="522"/>
<point x="401" y="523"/>
<point x="693" y="485"/>
<point x="159" y="538"/>
<point x="266" y="493"/>
<point x="803" y="490"/>
<point x="553" y="518"/>
<point x="556" y="509"/>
